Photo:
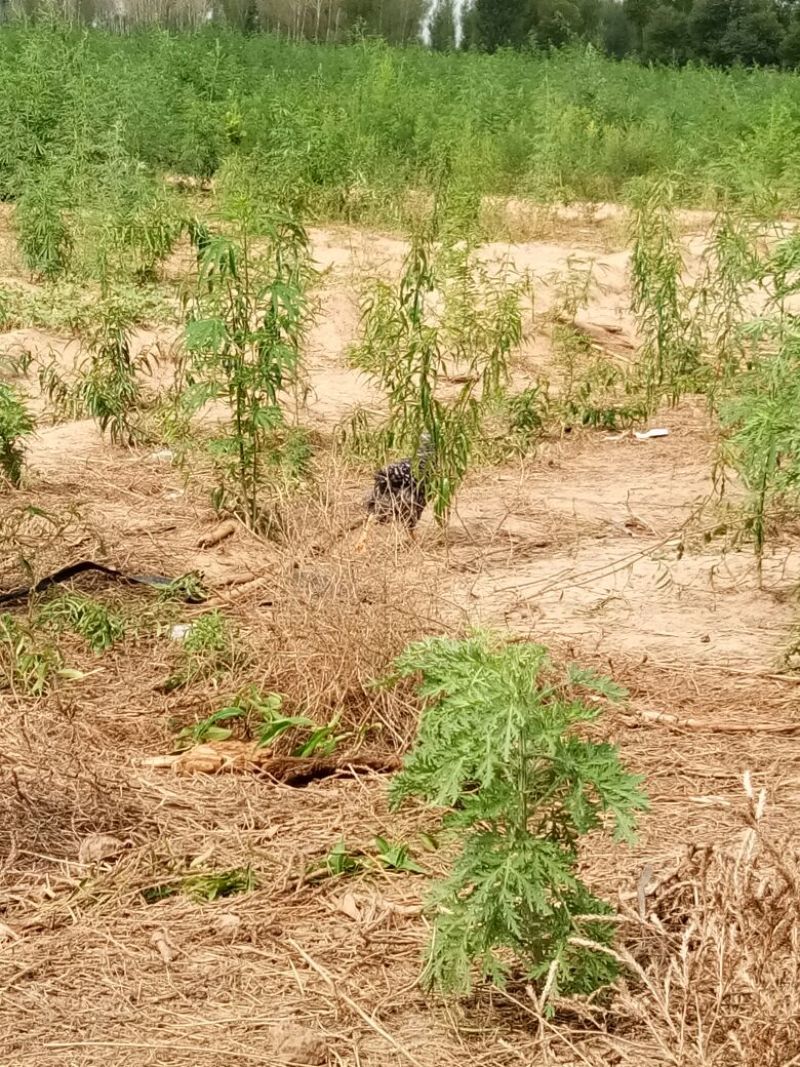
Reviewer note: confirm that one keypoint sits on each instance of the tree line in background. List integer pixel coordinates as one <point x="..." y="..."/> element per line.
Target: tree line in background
<point x="329" y="21"/>
<point x="718" y="32"/>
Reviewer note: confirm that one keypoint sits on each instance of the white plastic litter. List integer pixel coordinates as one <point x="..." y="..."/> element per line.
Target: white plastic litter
<point x="166" y="455"/>
<point x="180" y="630"/>
<point x="650" y="433"/>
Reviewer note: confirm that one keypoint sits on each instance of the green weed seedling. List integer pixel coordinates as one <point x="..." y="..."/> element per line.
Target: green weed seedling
<point x="670" y="364"/>
<point x="24" y="664"/>
<point x="65" y="306"/>
<point x="763" y="442"/>
<point x="339" y="862"/>
<point x="394" y="856"/>
<point x="276" y="725"/>
<point x="211" y="647"/>
<point x="209" y="887"/>
<point x="154" y="894"/>
<point x="758" y="408"/>
<point x="526" y="414"/>
<point x="17" y="363"/>
<point x="261" y="719"/>
<point x="204" y="888"/>
<point x="109" y="387"/>
<point x="98" y="626"/>
<point x="209" y="729"/>
<point x="264" y="719"/>
<point x="732" y="269"/>
<point x="497" y="747"/>
<point x="106" y="384"/>
<point x="6" y="308"/>
<point x="188" y="588"/>
<point x="44" y="235"/>
<point x="595" y="392"/>
<point x="323" y="740"/>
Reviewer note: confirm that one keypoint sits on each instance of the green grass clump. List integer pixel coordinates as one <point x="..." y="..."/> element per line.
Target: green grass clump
<point x="211" y="647"/>
<point x="26" y="665"/>
<point x="94" y="622"/>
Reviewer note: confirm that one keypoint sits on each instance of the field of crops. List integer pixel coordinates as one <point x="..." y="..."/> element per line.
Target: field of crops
<point x="350" y="129"/>
<point x="282" y="784"/>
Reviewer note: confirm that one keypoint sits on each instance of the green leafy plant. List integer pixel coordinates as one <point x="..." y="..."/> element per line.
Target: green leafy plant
<point x="44" y="235"/>
<point x="339" y="861"/>
<point x="204" y="888"/>
<point x="732" y="269"/>
<point x="446" y="313"/>
<point x="210" y="647"/>
<point x="107" y="381"/>
<point x="606" y="398"/>
<point x="98" y="626"/>
<point x="260" y="718"/>
<point x="395" y="856"/>
<point x="670" y="354"/>
<point x="18" y="362"/>
<point x="16" y="423"/>
<point x="526" y="416"/>
<point x="497" y="747"/>
<point x="763" y="442"/>
<point x="259" y="714"/>
<point x="65" y="305"/>
<point x="24" y="663"/>
<point x="188" y="587"/>
<point x="109" y="387"/>
<point x="279" y="724"/>
<point x="210" y="887"/>
<point x="594" y="391"/>
<point x="758" y="405"/>
<point x="244" y="338"/>
<point x="264" y="718"/>
<point x="323" y="740"/>
<point x="6" y="308"/>
<point x="209" y="729"/>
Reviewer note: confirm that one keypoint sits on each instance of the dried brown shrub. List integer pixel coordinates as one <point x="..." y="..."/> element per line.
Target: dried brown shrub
<point x="716" y="958"/>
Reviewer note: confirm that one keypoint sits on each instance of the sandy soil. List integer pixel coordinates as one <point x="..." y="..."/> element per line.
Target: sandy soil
<point x="595" y="545"/>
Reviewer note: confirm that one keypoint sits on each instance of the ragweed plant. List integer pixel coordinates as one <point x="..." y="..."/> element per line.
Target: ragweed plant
<point x="498" y="748"/>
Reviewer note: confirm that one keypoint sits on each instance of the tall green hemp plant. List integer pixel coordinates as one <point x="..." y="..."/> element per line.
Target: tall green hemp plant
<point x="109" y="387"/>
<point x="16" y="424"/>
<point x="444" y="313"/>
<point x="759" y="410"/>
<point x="733" y="269"/>
<point x="497" y="747"/>
<point x="244" y="338"/>
<point x="670" y="354"/>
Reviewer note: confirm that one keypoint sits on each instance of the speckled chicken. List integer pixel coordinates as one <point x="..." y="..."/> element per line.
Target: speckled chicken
<point x="399" y="494"/>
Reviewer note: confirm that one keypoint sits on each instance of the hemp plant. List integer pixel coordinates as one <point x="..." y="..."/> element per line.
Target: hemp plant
<point x="244" y="337"/>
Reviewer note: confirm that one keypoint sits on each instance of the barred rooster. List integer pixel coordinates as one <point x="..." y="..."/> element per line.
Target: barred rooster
<point x="398" y="493"/>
